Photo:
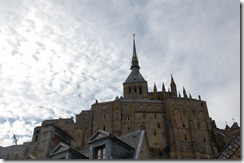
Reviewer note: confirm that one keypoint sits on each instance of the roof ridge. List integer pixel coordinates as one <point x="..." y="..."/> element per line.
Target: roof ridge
<point x="130" y="133"/>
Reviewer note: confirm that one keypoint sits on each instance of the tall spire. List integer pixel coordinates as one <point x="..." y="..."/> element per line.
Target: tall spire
<point x="154" y="88"/>
<point x="184" y="92"/>
<point x="173" y="87"/>
<point x="164" y="92"/>
<point x="155" y="95"/>
<point x="172" y="79"/>
<point x="134" y="61"/>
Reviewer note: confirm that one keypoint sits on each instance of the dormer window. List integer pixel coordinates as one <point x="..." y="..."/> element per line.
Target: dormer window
<point x="100" y="152"/>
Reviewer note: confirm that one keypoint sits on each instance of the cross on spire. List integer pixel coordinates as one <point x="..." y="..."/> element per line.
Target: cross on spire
<point x="134" y="36"/>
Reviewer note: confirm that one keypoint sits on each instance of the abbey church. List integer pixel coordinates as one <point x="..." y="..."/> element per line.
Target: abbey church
<point x="163" y="124"/>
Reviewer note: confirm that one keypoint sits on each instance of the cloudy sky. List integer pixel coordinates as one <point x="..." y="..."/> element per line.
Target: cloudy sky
<point x="58" y="56"/>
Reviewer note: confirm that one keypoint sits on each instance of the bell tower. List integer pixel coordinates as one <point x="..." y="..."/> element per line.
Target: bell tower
<point x="135" y="85"/>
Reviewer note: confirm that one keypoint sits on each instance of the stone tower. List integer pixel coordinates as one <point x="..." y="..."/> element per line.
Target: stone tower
<point x="135" y="85"/>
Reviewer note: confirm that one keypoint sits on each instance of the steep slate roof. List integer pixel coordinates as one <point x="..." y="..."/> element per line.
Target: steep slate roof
<point x="135" y="77"/>
<point x="231" y="148"/>
<point x="98" y="134"/>
<point x="65" y="148"/>
<point x="134" y="139"/>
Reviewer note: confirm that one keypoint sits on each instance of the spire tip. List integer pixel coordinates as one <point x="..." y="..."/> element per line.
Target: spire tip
<point x="134" y="36"/>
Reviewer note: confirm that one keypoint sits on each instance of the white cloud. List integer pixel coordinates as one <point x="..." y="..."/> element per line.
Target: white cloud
<point x="56" y="57"/>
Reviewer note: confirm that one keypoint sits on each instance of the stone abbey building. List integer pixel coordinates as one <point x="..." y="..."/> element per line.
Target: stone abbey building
<point x="176" y="127"/>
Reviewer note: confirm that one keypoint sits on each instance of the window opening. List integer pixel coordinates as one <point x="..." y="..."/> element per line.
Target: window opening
<point x="100" y="152"/>
<point x="36" y="138"/>
<point x="185" y="138"/>
<point x="183" y="125"/>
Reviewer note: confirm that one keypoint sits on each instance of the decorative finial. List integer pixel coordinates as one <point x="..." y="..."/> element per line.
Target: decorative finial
<point x="154" y="87"/>
<point x="172" y="79"/>
<point x="163" y="87"/>
<point x="184" y="92"/>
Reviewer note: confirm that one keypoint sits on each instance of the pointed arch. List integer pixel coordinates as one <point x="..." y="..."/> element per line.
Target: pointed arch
<point x="177" y="118"/>
<point x="202" y="119"/>
<point x="78" y="136"/>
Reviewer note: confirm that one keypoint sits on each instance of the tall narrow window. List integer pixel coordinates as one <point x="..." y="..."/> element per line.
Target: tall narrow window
<point x="140" y="90"/>
<point x="185" y="138"/>
<point x="129" y="90"/>
<point x="36" y="138"/>
<point x="135" y="89"/>
<point x="202" y="104"/>
<point x="158" y="125"/>
<point x="104" y="128"/>
<point x="100" y="152"/>
<point x="155" y="133"/>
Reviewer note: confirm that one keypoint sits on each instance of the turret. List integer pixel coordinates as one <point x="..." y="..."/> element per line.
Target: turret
<point x="155" y="96"/>
<point x="164" y="92"/>
<point x="173" y="87"/>
<point x="184" y="93"/>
